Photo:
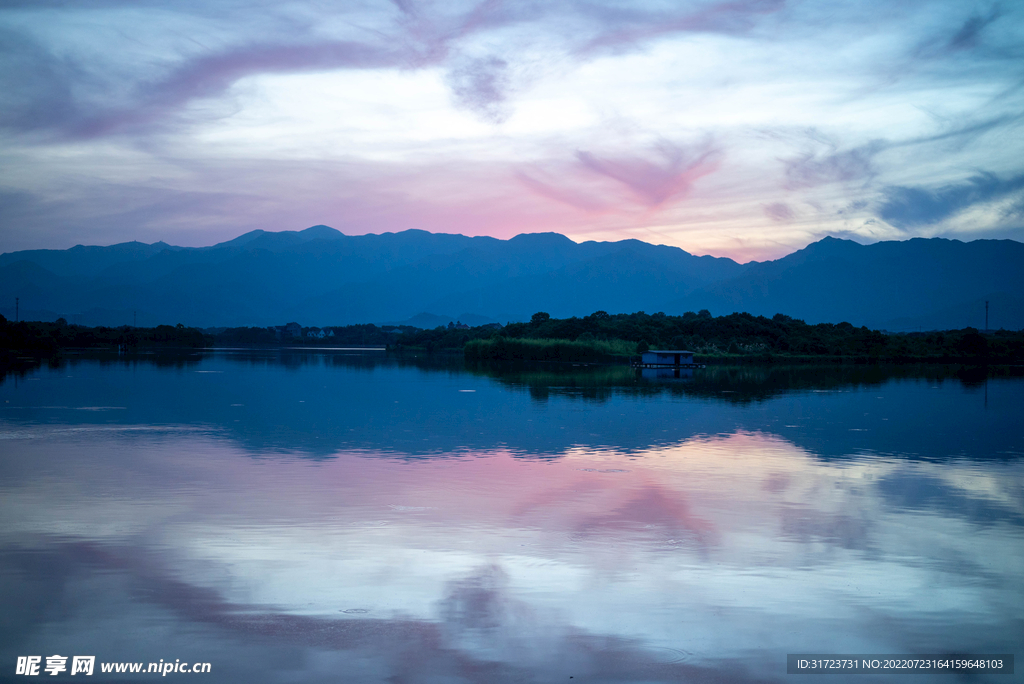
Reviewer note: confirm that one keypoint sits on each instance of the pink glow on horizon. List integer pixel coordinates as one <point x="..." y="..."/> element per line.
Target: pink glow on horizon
<point x="740" y="128"/>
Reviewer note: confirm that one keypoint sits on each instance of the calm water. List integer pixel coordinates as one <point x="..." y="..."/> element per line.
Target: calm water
<point x="346" y="517"/>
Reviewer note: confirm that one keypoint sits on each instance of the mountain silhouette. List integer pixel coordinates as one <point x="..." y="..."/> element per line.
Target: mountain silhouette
<point x="320" y="276"/>
<point x="927" y="284"/>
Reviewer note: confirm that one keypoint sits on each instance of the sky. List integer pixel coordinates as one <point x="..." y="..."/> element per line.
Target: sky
<point x="745" y="128"/>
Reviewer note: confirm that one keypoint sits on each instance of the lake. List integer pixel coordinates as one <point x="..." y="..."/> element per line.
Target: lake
<point x="348" y="516"/>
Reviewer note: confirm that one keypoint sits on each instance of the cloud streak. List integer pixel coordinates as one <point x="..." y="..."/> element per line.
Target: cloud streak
<point x="909" y="207"/>
<point x="846" y="166"/>
<point x="967" y="37"/>
<point x="623" y="29"/>
<point x="64" y="95"/>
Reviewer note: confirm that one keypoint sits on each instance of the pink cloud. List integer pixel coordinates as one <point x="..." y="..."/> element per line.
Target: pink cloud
<point x="654" y="506"/>
<point x="655" y="184"/>
<point x="601" y="185"/>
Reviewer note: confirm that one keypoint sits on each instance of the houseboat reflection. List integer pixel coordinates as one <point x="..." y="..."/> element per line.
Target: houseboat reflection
<point x="666" y="373"/>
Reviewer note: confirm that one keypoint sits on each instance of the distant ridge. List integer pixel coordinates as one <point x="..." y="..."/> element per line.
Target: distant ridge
<point x="319" y="276"/>
<point x="926" y="284"/>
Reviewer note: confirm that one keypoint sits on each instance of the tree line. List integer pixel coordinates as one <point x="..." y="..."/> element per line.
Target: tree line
<point x="40" y="336"/>
<point x="598" y="337"/>
<point x="737" y="336"/>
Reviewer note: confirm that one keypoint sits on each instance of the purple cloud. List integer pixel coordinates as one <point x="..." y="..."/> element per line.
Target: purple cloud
<point x="211" y="75"/>
<point x="810" y="170"/>
<point x="482" y="85"/>
<point x="44" y="92"/>
<point x="48" y="88"/>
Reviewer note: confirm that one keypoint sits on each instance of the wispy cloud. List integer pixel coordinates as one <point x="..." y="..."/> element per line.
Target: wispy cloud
<point x="555" y="189"/>
<point x="969" y="34"/>
<point x="669" y="176"/>
<point x="37" y="85"/>
<point x="778" y="211"/>
<point x="666" y="174"/>
<point x="909" y="207"/>
<point x="844" y="166"/>
<point x="120" y="116"/>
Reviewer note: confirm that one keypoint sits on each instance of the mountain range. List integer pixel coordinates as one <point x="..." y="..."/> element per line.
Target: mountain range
<point x="320" y="276"/>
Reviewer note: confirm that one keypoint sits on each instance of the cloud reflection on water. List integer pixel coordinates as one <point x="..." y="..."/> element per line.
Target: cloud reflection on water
<point x="731" y="548"/>
<point x="707" y="553"/>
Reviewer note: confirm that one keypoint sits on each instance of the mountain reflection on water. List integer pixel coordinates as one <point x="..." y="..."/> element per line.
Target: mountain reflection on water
<point x="316" y="404"/>
<point x="349" y="516"/>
